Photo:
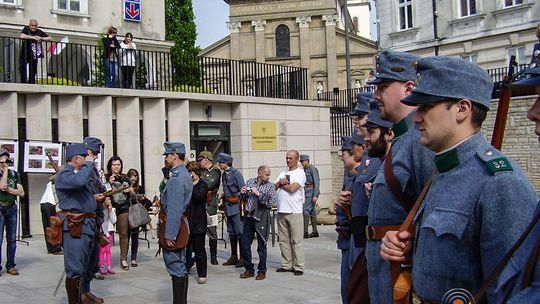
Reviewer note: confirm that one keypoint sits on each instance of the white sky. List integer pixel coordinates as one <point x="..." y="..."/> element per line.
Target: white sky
<point x="211" y="17"/>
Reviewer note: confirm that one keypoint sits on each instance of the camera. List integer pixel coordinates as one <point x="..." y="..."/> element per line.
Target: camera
<point x="9" y="161"/>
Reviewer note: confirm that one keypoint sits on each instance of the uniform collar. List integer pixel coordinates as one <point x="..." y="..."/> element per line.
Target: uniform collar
<point x="450" y="159"/>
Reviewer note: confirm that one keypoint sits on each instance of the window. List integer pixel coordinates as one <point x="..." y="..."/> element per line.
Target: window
<point x="519" y="52"/>
<point x="467" y="8"/>
<point x="70" y="5"/>
<point x="470" y="58"/>
<point x="508" y="3"/>
<point x="405" y="14"/>
<point x="7" y="1"/>
<point x="283" y="43"/>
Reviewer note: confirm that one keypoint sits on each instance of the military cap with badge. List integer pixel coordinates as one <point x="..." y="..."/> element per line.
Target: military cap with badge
<point x="174" y="147"/>
<point x="393" y="66"/>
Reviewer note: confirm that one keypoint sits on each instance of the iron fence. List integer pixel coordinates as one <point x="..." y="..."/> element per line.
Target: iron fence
<point x="73" y="64"/>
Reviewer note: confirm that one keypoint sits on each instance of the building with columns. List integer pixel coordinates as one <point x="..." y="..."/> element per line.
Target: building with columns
<point x="306" y="33"/>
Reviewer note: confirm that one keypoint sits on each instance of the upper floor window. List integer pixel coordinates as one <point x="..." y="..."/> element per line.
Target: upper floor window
<point x="467" y="8"/>
<point x="70" y="5"/>
<point x="508" y="3"/>
<point x="519" y="52"/>
<point x="405" y="14"/>
<point x="283" y="41"/>
<point x="470" y="58"/>
<point x="7" y="1"/>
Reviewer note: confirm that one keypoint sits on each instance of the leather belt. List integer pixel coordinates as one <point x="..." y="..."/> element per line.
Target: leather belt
<point x="376" y="233"/>
<point x="86" y="215"/>
<point x="7" y="204"/>
<point x="310" y="186"/>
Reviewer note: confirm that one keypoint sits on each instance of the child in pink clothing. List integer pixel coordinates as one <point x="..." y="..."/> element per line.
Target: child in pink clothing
<point x="109" y="219"/>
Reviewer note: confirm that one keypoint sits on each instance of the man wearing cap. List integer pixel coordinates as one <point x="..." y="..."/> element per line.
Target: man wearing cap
<point x="93" y="145"/>
<point x="10" y="188"/>
<point x="407" y="166"/>
<point x="290" y="199"/>
<point x="78" y="206"/>
<point x="459" y="238"/>
<point x="175" y="197"/>
<point x="232" y="181"/>
<point x="311" y="196"/>
<point x="211" y="175"/>
<point x="360" y="113"/>
<point x="342" y="221"/>
<point x="519" y="282"/>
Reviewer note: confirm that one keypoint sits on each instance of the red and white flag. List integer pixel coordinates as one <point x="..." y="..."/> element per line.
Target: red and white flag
<point x="57" y="47"/>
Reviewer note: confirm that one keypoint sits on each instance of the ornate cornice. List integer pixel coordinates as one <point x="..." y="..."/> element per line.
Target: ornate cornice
<point x="303" y="21"/>
<point x="330" y="19"/>
<point x="259" y="25"/>
<point x="234" y="26"/>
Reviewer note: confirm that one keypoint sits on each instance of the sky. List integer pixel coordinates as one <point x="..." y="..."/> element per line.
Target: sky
<point x="210" y="17"/>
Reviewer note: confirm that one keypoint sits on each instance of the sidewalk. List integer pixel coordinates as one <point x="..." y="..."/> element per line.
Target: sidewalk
<point x="150" y="282"/>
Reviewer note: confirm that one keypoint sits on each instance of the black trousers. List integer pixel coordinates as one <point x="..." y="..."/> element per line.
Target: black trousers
<point x="32" y="70"/>
<point x="48" y="210"/>
<point x="127" y="76"/>
<point x="198" y="242"/>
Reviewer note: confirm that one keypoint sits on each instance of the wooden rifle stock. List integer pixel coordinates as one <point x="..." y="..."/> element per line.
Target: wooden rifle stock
<point x="53" y="164"/>
<point x="114" y="191"/>
<point x="504" y="104"/>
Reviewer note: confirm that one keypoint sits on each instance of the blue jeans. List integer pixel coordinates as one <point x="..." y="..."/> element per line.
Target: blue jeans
<point x="111" y="74"/>
<point x="8" y="218"/>
<point x="247" y="240"/>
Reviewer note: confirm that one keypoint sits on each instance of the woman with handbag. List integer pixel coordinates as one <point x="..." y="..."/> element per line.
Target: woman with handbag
<point x="121" y="201"/>
<point x="138" y="189"/>
<point x="196" y="214"/>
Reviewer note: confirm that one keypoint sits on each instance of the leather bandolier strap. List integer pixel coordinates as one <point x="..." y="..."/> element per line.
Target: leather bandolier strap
<point x="393" y="184"/>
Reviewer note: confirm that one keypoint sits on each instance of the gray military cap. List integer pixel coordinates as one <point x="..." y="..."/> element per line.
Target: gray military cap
<point x="304" y="157"/>
<point x="442" y="77"/>
<point x="362" y="104"/>
<point x="174" y="147"/>
<point x="394" y="66"/>
<point x="346" y="143"/>
<point x="356" y="139"/>
<point x="225" y="158"/>
<point x="76" y="149"/>
<point x="93" y="143"/>
<point x="375" y="121"/>
<point x="530" y="83"/>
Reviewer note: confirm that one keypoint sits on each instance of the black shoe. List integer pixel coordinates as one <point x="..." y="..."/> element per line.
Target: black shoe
<point x="298" y="272"/>
<point x="213" y="260"/>
<point x="284" y="270"/>
<point x="240" y="263"/>
<point x="306" y="235"/>
<point x="314" y="234"/>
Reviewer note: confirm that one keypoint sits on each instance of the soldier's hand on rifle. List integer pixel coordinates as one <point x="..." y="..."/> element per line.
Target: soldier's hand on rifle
<point x="344" y="198"/>
<point x="396" y="246"/>
<point x="99" y="197"/>
<point x="368" y="187"/>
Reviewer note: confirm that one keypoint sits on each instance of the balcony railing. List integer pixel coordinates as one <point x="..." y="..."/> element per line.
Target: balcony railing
<point x="343" y="101"/>
<point x="73" y="64"/>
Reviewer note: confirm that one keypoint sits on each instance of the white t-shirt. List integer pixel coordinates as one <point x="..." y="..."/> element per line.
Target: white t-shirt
<point x="48" y="195"/>
<point x="291" y="202"/>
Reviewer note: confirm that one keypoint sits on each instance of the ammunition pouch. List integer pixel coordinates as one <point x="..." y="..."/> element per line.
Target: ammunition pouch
<point x="75" y="223"/>
<point x="233" y="199"/>
<point x="358" y="229"/>
<point x="53" y="234"/>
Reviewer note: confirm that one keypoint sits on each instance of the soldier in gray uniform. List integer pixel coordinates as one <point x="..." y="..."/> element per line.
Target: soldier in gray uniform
<point x="232" y="181"/>
<point x="211" y="175"/>
<point x="411" y="165"/>
<point x="312" y="194"/>
<point x="459" y="238"/>
<point x="78" y="205"/>
<point x="175" y="197"/>
<point x="520" y="280"/>
<point x="360" y="113"/>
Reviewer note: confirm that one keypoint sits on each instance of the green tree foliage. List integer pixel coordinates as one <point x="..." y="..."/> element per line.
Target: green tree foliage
<point x="180" y="28"/>
<point x="98" y="77"/>
<point x="141" y="77"/>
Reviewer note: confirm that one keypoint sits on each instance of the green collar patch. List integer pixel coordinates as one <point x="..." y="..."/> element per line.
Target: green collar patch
<point x="400" y="127"/>
<point x="447" y="161"/>
<point x="499" y="164"/>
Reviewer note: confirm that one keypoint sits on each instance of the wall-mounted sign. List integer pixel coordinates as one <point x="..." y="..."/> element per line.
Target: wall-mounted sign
<point x="36" y="159"/>
<point x="132" y="10"/>
<point x="264" y="135"/>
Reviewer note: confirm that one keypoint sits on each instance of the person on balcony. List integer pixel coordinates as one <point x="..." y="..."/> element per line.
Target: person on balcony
<point x="31" y="50"/>
<point x="128" y="61"/>
<point x="110" y="58"/>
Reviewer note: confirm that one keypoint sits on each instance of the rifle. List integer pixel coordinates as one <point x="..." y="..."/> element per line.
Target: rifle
<point x="504" y="104"/>
<point x="114" y="191"/>
<point x="53" y="163"/>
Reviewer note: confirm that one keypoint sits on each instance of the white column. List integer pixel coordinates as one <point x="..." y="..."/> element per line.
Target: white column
<point x="70" y="118"/>
<point x="153" y="138"/>
<point x="8" y="111"/>
<point x="234" y="30"/>
<point x="259" y="40"/>
<point x="127" y="131"/>
<point x="100" y="116"/>
<point x="331" y="54"/>
<point x="178" y="121"/>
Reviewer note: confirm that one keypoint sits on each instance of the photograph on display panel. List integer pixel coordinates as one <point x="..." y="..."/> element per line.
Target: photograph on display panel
<point x="11" y="146"/>
<point x="36" y="157"/>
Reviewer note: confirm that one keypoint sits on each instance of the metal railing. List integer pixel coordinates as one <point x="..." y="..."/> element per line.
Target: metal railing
<point x="344" y="101"/>
<point x="73" y="64"/>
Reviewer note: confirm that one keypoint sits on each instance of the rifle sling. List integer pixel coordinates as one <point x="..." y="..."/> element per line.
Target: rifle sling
<point x="405" y="201"/>
<point x="500" y="267"/>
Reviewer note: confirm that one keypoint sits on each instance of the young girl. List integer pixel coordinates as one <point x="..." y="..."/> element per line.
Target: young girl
<point x="109" y="219"/>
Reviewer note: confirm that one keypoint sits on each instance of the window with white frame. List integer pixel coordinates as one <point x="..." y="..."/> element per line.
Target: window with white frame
<point x="405" y="14"/>
<point x="467" y="8"/>
<point x="470" y="58"/>
<point x="508" y="3"/>
<point x="69" y="5"/>
<point x="519" y="52"/>
<point x="8" y="1"/>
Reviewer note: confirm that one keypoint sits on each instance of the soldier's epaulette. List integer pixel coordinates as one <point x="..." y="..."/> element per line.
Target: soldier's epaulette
<point x="495" y="161"/>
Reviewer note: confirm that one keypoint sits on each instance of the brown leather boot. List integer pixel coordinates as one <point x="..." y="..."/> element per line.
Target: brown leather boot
<point x="91" y="298"/>
<point x="240" y="262"/>
<point x="231" y="261"/>
<point x="72" y="290"/>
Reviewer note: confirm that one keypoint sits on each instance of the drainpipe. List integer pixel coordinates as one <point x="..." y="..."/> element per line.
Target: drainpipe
<point x="435" y="34"/>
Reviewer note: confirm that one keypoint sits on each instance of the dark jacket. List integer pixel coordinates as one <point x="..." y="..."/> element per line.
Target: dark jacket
<point x="121" y="201"/>
<point x="107" y="50"/>
<point x="196" y="209"/>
